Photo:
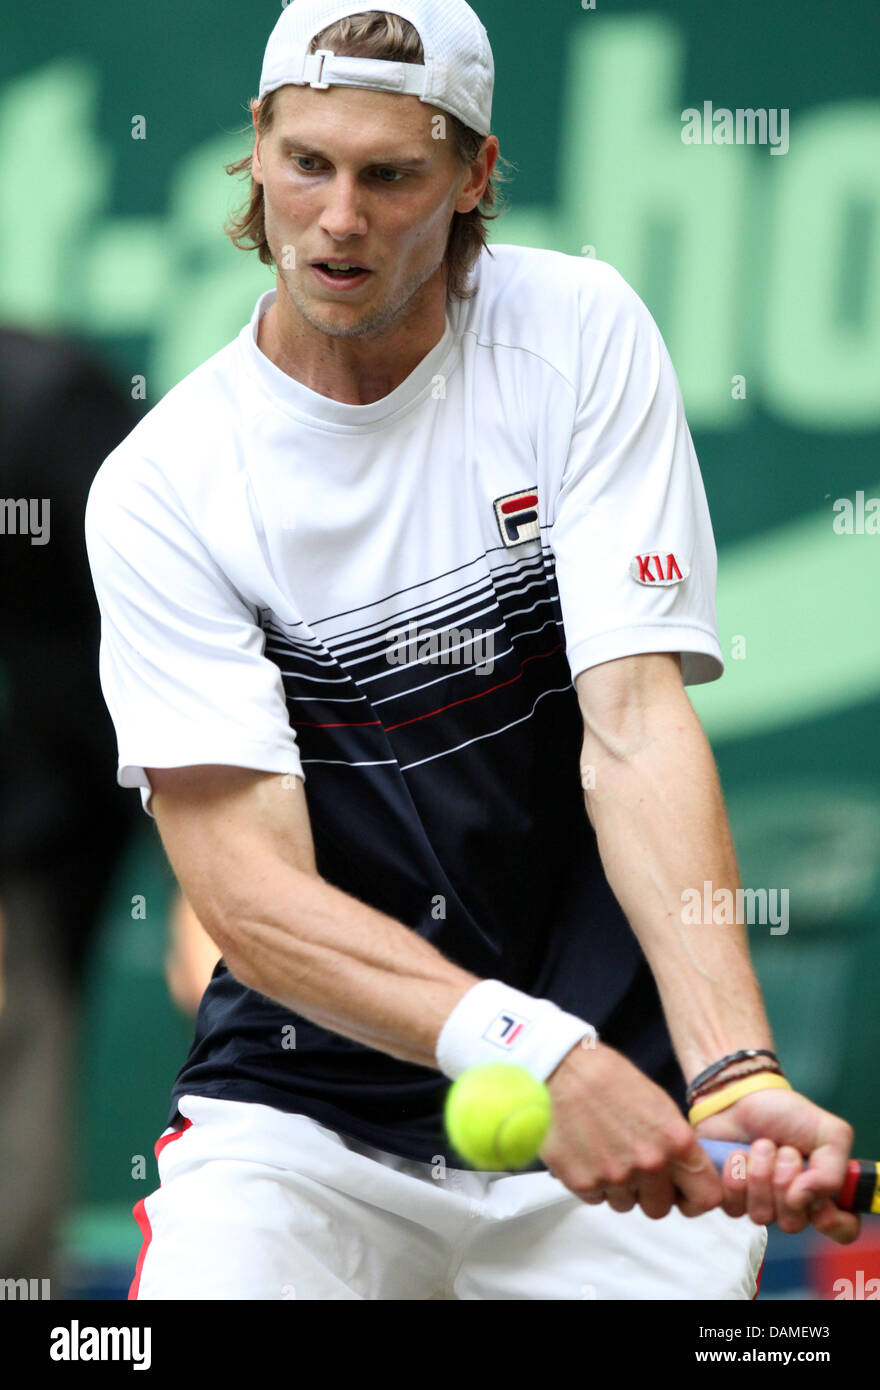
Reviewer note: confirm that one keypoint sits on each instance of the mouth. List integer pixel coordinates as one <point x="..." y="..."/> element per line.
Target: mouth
<point x="341" y="274"/>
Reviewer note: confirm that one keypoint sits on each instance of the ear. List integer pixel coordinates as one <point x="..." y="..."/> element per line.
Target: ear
<point x="256" y="164"/>
<point x="478" y="176"/>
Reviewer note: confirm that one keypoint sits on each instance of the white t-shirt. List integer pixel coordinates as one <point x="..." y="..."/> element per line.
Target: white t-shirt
<point x="392" y="600"/>
<point x="243" y="490"/>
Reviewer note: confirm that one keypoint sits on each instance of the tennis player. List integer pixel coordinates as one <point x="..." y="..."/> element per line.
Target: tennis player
<point x="401" y="592"/>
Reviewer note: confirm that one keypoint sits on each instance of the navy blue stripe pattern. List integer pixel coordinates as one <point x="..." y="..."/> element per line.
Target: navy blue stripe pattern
<point x="449" y="798"/>
<point x="349" y="703"/>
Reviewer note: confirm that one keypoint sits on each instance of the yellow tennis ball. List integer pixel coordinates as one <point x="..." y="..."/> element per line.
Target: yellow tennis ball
<point x="497" y="1116"/>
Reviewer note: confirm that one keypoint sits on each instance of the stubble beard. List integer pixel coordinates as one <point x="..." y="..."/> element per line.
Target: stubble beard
<point x="377" y="320"/>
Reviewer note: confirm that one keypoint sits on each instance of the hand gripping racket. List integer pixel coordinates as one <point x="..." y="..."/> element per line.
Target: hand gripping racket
<point x="861" y="1186"/>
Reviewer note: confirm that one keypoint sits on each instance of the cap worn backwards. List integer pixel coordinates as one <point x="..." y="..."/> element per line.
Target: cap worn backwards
<point x="458" y="74"/>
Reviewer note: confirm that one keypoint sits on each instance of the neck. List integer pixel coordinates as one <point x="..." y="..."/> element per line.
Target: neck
<point x="354" y="370"/>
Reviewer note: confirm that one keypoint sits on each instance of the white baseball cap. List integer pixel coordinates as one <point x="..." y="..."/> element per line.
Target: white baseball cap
<point x="458" y="74"/>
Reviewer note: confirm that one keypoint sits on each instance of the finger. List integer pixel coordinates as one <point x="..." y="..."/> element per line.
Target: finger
<point x="760" y="1200"/>
<point x="656" y="1194"/>
<point x="828" y="1219"/>
<point x="620" y="1198"/>
<point x="823" y="1177"/>
<point x="735" y="1181"/>
<point x="789" y="1163"/>
<point x="697" y="1184"/>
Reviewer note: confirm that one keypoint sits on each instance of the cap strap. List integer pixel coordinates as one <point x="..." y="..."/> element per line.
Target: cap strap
<point x="323" y="69"/>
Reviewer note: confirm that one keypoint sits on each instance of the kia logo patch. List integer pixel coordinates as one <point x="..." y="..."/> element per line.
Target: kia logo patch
<point x="659" y="567"/>
<point x="517" y="516"/>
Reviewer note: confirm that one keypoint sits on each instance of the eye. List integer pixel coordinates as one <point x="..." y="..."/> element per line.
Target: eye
<point x="396" y="175"/>
<point x="308" y="159"/>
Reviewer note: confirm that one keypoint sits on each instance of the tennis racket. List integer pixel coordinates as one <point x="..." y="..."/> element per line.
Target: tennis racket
<point x="861" y="1186"/>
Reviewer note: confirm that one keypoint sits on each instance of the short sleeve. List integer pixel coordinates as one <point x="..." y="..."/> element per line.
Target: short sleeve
<point x="182" y="661"/>
<point x="635" y="556"/>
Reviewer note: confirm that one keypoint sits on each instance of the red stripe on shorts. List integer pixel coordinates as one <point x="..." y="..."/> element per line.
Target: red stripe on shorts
<point x="139" y="1212"/>
<point x="758" y="1282"/>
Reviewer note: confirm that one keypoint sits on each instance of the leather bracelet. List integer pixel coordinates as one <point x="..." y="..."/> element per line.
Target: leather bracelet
<point x="713" y="1105"/>
<point x="719" y="1081"/>
<point x="717" y="1067"/>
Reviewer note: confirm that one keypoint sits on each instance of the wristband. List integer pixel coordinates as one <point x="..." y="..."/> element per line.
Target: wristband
<point x="495" y="1023"/>
<point x="761" y="1081"/>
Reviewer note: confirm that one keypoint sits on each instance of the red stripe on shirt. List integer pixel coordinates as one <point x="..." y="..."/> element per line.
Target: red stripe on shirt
<point x="481" y="696"/>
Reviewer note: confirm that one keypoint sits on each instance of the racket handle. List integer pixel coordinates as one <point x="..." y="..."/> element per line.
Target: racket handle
<point x="861" y="1186"/>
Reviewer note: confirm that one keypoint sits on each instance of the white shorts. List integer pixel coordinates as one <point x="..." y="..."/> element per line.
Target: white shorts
<point x="255" y="1203"/>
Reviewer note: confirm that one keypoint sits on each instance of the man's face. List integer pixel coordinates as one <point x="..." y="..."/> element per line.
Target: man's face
<point x="353" y="175"/>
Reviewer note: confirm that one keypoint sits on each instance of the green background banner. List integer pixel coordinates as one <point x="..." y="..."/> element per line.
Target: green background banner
<point x="762" y="267"/>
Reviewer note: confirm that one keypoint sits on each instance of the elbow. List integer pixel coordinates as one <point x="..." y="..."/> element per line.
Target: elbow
<point x="235" y="943"/>
<point x="256" y="937"/>
<point x="245" y="952"/>
<point x="243" y="968"/>
<point x="259" y="949"/>
<point x="608" y="750"/>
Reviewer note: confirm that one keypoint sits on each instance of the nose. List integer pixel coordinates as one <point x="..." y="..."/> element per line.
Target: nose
<point x="342" y="216"/>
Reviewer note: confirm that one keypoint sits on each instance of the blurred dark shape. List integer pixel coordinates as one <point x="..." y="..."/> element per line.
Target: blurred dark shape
<point x="63" y="821"/>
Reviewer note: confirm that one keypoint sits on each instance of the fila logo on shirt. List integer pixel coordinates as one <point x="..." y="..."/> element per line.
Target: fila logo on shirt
<point x="658" y="567"/>
<point x="504" y="1030"/>
<point x="517" y="516"/>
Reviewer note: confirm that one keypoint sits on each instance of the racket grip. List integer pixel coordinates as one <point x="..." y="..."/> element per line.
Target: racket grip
<point x="861" y="1186"/>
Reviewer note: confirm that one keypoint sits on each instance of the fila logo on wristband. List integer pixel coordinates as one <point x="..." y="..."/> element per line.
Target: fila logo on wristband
<point x="493" y="1017"/>
<point x="505" y="1029"/>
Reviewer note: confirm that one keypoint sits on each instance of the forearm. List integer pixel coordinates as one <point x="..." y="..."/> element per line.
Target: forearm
<point x="662" y="829"/>
<point x="241" y="847"/>
<point x="347" y="967"/>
